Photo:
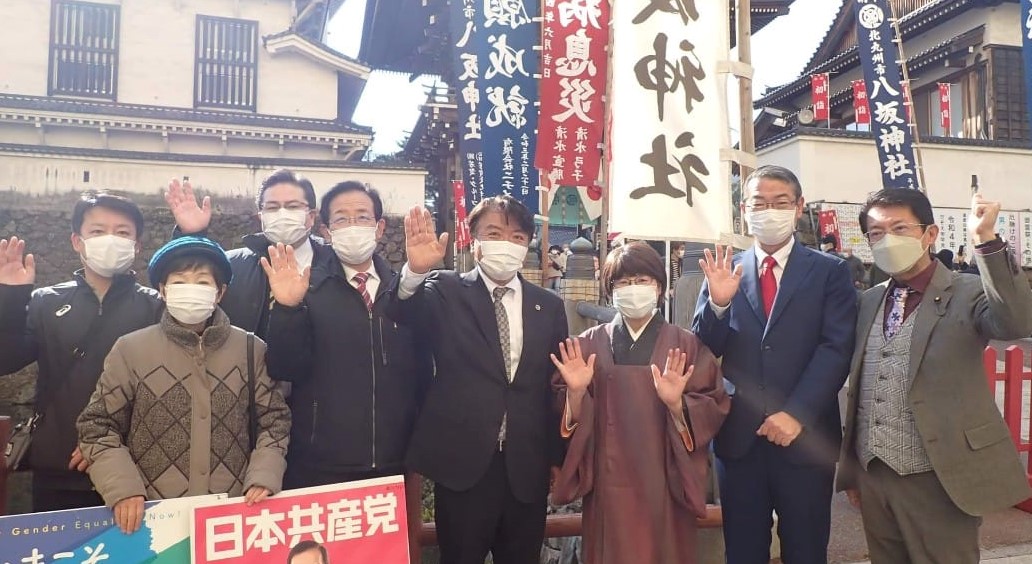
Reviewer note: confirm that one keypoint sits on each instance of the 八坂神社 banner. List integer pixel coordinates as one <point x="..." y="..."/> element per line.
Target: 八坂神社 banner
<point x="668" y="120"/>
<point x="885" y="94"/>
<point x="574" y="36"/>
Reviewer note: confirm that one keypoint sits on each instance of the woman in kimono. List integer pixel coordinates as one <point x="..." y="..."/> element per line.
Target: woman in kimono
<point x="640" y="401"/>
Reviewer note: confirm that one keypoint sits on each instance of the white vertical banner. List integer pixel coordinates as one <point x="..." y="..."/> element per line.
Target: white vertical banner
<point x="952" y="224"/>
<point x="850" y="235"/>
<point x="668" y="120"/>
<point x="1025" y="251"/>
<point x="1009" y="228"/>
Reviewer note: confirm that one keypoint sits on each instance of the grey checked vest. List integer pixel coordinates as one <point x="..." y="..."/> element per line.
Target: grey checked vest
<point x="885" y="424"/>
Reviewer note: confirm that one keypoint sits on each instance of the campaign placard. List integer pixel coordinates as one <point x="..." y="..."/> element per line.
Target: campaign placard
<point x="363" y="521"/>
<point x="90" y="536"/>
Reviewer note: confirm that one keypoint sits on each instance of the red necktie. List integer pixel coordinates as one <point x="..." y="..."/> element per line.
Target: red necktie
<point x="768" y="284"/>
<point x="361" y="279"/>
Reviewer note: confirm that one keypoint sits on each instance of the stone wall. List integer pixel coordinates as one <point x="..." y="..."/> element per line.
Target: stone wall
<point x="46" y="225"/>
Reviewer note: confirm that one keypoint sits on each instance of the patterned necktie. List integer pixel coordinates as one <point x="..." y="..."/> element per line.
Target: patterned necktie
<point x="899" y="302"/>
<point x="503" y="328"/>
<point x="360" y="279"/>
<point x="768" y="284"/>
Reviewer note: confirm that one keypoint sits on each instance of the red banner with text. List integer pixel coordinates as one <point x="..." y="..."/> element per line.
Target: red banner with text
<point x="574" y="36"/>
<point x="860" y="106"/>
<point x="819" y="88"/>
<point x="944" y="108"/>
<point x="828" y="222"/>
<point x="462" y="235"/>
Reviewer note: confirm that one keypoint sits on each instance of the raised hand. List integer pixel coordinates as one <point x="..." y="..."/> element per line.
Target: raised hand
<point x="16" y="268"/>
<point x="424" y="249"/>
<point x="576" y="372"/>
<point x="720" y="278"/>
<point x="181" y="201"/>
<point x="982" y="220"/>
<point x="287" y="283"/>
<point x="671" y="382"/>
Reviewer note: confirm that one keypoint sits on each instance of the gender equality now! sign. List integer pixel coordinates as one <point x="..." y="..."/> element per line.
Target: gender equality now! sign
<point x="362" y="521"/>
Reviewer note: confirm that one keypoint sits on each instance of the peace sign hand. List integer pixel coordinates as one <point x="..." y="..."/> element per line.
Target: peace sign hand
<point x="722" y="280"/>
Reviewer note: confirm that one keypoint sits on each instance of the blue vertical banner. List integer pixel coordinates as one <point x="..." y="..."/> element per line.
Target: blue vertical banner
<point x="1026" y="41"/>
<point x="885" y="93"/>
<point x="468" y="48"/>
<point x="508" y="98"/>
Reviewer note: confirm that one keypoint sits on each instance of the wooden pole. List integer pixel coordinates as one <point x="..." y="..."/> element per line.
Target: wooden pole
<point x="544" y="208"/>
<point x="746" y="136"/>
<point x="909" y="101"/>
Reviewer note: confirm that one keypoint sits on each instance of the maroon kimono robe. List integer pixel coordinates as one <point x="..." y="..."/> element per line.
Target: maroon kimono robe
<point x="643" y="482"/>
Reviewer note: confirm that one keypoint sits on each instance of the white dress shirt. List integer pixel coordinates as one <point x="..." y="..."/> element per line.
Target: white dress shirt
<point x="781" y="259"/>
<point x="512" y="302"/>
<point x="303" y="254"/>
<point x="372" y="283"/>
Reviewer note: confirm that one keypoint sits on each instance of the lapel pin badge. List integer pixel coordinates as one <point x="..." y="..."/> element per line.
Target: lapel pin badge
<point x="64" y="309"/>
<point x="938" y="299"/>
<point x="537" y="307"/>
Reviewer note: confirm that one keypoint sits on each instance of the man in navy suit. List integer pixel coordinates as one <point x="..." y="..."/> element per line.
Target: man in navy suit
<point x="487" y="432"/>
<point x="782" y="316"/>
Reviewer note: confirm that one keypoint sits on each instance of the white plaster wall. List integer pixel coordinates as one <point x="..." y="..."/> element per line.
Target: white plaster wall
<point x="847" y="170"/>
<point x="156" y="54"/>
<point x="1004" y="25"/>
<point x="24" y="47"/>
<point x="400" y="189"/>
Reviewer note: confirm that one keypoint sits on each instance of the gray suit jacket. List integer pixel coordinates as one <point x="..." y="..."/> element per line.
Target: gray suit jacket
<point x="961" y="427"/>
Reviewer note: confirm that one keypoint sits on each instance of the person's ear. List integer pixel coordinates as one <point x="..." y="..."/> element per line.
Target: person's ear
<point x="222" y="292"/>
<point x="77" y="243"/>
<point x="381" y="226"/>
<point x="161" y="290"/>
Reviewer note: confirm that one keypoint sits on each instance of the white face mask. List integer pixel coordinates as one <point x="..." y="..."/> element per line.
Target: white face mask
<point x="190" y="304"/>
<point x="771" y="227"/>
<point x="108" y="255"/>
<point x="355" y="244"/>
<point x="285" y="226"/>
<point x="501" y="260"/>
<point x="895" y="254"/>
<point x="635" y="302"/>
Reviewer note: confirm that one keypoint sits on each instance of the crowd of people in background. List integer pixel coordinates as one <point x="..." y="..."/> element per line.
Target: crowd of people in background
<point x="303" y="358"/>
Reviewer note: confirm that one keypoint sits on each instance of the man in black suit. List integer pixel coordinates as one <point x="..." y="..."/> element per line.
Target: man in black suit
<point x="486" y="434"/>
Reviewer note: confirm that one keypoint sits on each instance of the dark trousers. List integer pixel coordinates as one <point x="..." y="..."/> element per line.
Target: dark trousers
<point x="765" y="481"/>
<point x="45" y="497"/>
<point x="912" y="520"/>
<point x="488" y="518"/>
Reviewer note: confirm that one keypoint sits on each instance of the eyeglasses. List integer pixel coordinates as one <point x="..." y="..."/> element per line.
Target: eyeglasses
<point x="363" y="220"/>
<point x="292" y="206"/>
<point x="637" y="281"/>
<point x="779" y="205"/>
<point x="900" y="229"/>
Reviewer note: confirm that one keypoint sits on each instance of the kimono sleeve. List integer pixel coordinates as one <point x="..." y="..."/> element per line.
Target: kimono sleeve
<point x="576" y="476"/>
<point x="706" y="404"/>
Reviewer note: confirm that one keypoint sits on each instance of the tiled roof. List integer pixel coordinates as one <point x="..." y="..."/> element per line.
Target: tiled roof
<point x="16" y="148"/>
<point x="867" y="135"/>
<point x="77" y="106"/>
<point x="910" y="25"/>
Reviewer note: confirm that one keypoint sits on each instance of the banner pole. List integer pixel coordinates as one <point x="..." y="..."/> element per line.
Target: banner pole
<point x="746" y="135"/>
<point x="911" y="122"/>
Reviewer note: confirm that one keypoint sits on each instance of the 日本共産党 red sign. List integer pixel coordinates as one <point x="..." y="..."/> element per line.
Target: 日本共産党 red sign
<point x="362" y="521"/>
